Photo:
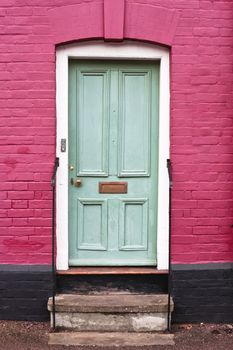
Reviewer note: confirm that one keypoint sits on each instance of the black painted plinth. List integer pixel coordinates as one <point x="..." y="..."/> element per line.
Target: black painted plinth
<point x="203" y="293"/>
<point x="24" y="292"/>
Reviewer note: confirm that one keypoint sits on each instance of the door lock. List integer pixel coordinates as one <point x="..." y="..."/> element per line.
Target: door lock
<point x="76" y="183"/>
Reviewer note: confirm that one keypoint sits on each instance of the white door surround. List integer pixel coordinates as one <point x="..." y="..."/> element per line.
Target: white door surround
<point x="120" y="51"/>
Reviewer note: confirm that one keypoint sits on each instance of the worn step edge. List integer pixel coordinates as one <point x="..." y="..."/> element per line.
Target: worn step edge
<point x="113" y="303"/>
<point x="113" y="339"/>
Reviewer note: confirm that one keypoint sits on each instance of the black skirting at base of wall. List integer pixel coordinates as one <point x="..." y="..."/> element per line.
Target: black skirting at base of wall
<point x="201" y="293"/>
<point x="24" y="292"/>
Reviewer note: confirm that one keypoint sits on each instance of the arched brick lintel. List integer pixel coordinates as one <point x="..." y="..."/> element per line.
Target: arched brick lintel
<point x="113" y="20"/>
<point x="150" y="23"/>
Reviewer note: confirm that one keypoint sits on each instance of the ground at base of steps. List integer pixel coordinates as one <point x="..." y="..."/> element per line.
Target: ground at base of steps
<point x="19" y="335"/>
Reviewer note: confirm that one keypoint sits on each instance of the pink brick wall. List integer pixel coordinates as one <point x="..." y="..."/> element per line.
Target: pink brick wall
<point x="200" y="33"/>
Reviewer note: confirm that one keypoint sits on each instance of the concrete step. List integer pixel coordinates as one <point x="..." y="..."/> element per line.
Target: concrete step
<point x="111" y="313"/>
<point x="115" y="339"/>
<point x="110" y="303"/>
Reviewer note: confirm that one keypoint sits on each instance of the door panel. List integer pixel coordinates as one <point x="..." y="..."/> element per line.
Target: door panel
<point x="92" y="127"/>
<point x="92" y="224"/>
<point x="113" y="137"/>
<point x="133" y="224"/>
<point x="134" y="128"/>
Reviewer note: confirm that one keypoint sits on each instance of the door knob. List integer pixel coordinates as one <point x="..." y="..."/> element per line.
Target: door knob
<point x="76" y="183"/>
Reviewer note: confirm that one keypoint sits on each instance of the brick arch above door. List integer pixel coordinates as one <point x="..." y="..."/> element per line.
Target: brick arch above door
<point x="114" y="21"/>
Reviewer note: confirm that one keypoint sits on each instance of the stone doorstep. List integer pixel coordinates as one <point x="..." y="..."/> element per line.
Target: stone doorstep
<point x="111" y="303"/>
<point x="125" y="322"/>
<point x="115" y="339"/>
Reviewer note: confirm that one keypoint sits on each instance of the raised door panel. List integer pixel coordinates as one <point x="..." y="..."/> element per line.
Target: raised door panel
<point x="92" y="224"/>
<point x="133" y="234"/>
<point x="92" y="123"/>
<point x="134" y="123"/>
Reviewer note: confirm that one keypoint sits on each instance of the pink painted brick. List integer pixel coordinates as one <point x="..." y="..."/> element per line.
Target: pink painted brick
<point x="19" y="204"/>
<point x="21" y="231"/>
<point x="206" y="230"/>
<point x="200" y="34"/>
<point x="40" y="204"/>
<point x="5" y="204"/>
<point x="44" y="213"/>
<point x="20" y="194"/>
<point x="19" y="222"/>
<point x="20" y="213"/>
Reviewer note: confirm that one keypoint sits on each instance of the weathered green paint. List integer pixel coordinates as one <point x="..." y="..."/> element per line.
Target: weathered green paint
<point x="113" y="136"/>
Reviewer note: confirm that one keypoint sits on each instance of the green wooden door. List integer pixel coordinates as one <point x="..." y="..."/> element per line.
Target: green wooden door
<point x="113" y="137"/>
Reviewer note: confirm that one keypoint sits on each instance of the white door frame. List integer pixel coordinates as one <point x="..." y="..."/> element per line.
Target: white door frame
<point x="101" y="50"/>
